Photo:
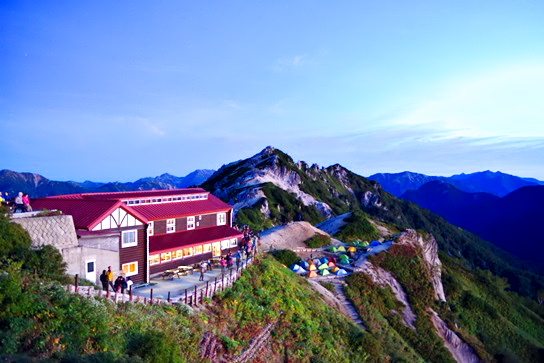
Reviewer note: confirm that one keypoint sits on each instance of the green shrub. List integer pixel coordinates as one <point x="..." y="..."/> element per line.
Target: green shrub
<point x="318" y="241"/>
<point x="286" y="257"/>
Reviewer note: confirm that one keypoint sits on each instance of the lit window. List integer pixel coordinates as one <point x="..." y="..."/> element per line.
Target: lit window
<point x="234" y="242"/>
<point x="170" y="225"/>
<point x="154" y="259"/>
<point x="165" y="257"/>
<point x="225" y="244"/>
<point x="176" y="255"/>
<point x="188" y="252"/>
<point x="207" y="248"/>
<point x="130" y="269"/>
<point x="191" y="222"/>
<point x="198" y="250"/>
<point x="150" y="228"/>
<point x="216" y="249"/>
<point x="221" y="219"/>
<point x="128" y="238"/>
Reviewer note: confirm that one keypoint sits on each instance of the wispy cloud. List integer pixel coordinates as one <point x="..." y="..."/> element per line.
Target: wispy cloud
<point x="291" y="62"/>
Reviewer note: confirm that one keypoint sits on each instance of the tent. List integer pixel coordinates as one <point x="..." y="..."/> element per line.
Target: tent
<point x="331" y="264"/>
<point x="312" y="267"/>
<point x="375" y="243"/>
<point x="324" y="272"/>
<point x="323" y="267"/>
<point x="344" y="259"/>
<point x="324" y="260"/>
<point x="352" y="249"/>
<point x="312" y="274"/>
<point x="364" y="243"/>
<point x="341" y="272"/>
<point x="317" y="261"/>
<point x="301" y="271"/>
<point x="336" y="268"/>
<point x="333" y="249"/>
<point x="341" y="249"/>
<point x="295" y="267"/>
<point x="304" y="264"/>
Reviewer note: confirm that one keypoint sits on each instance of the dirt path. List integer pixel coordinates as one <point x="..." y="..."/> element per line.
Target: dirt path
<point x="339" y="285"/>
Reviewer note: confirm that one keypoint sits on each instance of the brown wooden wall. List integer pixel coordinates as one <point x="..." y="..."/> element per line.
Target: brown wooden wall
<point x="136" y="253"/>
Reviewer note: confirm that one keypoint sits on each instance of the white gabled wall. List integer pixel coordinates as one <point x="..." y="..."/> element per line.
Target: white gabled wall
<point x="118" y="218"/>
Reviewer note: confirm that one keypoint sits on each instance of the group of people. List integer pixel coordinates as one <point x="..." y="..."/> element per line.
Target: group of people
<point x="107" y="278"/>
<point x="20" y="203"/>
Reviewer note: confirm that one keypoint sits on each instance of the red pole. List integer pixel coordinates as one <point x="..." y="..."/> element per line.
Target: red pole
<point x="77" y="282"/>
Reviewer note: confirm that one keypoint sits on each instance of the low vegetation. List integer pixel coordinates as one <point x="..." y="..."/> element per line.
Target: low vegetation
<point x="358" y="227"/>
<point x="318" y="241"/>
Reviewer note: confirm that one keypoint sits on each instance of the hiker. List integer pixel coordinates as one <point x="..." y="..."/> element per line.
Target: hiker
<point x="110" y="277"/>
<point x="223" y="264"/>
<point x="19" y="205"/>
<point x="229" y="260"/>
<point x="237" y="263"/>
<point x="129" y="283"/>
<point x="26" y="202"/>
<point x="210" y="267"/>
<point x="119" y="285"/>
<point x="104" y="280"/>
<point x="202" y="269"/>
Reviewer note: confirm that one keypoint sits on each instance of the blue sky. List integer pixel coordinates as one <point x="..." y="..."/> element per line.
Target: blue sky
<point x="120" y="90"/>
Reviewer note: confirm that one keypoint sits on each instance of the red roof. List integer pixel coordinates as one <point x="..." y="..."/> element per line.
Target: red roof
<point x="133" y="194"/>
<point x="86" y="213"/>
<point x="180" y="209"/>
<point x="173" y="241"/>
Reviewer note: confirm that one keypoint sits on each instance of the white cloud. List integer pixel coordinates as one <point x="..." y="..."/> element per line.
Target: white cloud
<point x="504" y="102"/>
<point x="291" y="62"/>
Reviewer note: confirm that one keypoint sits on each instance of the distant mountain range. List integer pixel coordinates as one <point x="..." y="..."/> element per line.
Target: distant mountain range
<point x="496" y="183"/>
<point x="510" y="222"/>
<point x="38" y="186"/>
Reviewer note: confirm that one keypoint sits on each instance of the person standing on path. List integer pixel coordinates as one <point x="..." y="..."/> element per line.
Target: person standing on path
<point x="104" y="280"/>
<point x="110" y="277"/>
<point x="223" y="264"/>
<point x="202" y="269"/>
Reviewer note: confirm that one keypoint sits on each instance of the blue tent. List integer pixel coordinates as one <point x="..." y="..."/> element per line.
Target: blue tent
<point x="324" y="260"/>
<point x="341" y="272"/>
<point x="375" y="243"/>
<point x="304" y="264"/>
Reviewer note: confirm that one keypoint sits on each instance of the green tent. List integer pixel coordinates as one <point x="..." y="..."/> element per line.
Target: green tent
<point x="364" y="243"/>
<point x="344" y="259"/>
<point x="325" y="272"/>
<point x="333" y="249"/>
<point x="323" y="266"/>
<point x="341" y="249"/>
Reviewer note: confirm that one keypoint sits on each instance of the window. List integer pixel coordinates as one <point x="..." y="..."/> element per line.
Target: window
<point x="130" y="269"/>
<point x="150" y="228"/>
<point x="191" y="222"/>
<point x="128" y="238"/>
<point x="188" y="252"/>
<point x="221" y="219"/>
<point x="170" y="225"/>
<point x="207" y="248"/>
<point x="216" y="249"/>
<point x="225" y="244"/>
<point x="177" y="254"/>
<point x="165" y="257"/>
<point x="154" y="259"/>
<point x="90" y="266"/>
<point x="198" y="250"/>
<point x="234" y="242"/>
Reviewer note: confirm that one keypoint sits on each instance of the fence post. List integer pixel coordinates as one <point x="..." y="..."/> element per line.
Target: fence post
<point x="196" y="296"/>
<point x="223" y="282"/>
<point x="130" y="293"/>
<point x="215" y="286"/>
<point x="207" y="288"/>
<point x="185" y="296"/>
<point x="151" y="297"/>
<point x="168" y="296"/>
<point x="76" y="282"/>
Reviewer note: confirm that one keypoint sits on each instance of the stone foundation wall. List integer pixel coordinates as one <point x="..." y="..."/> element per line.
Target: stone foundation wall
<point x="57" y="231"/>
